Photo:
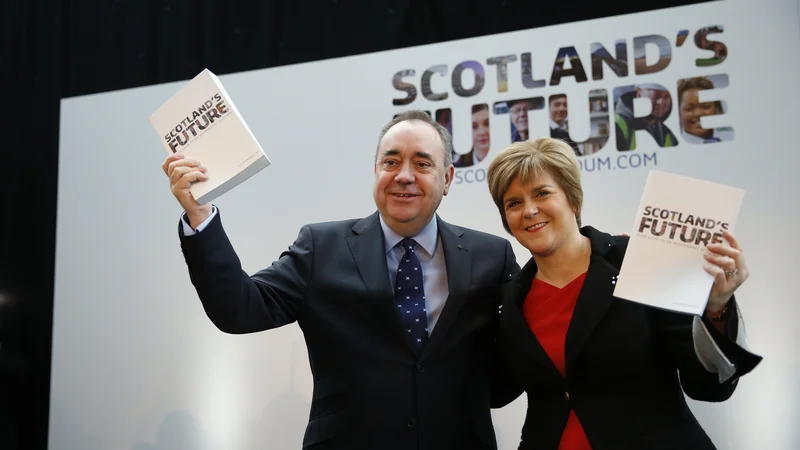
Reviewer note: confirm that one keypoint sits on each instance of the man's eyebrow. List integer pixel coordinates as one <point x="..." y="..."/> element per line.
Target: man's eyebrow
<point x="420" y="154"/>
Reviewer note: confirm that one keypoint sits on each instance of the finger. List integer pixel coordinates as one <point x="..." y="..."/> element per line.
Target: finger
<point x="188" y="163"/>
<point x="720" y="280"/>
<point x="181" y="171"/>
<point x="183" y="161"/>
<point x="731" y="239"/>
<point x="724" y="250"/>
<point x="726" y="262"/>
<point x="170" y="159"/>
<point x="175" y="174"/>
<point x="191" y="177"/>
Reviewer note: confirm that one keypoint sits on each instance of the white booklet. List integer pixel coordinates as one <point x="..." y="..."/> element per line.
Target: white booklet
<point x="201" y="121"/>
<point x="678" y="216"/>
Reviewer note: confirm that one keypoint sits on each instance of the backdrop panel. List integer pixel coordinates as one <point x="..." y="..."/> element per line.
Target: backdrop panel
<point x="137" y="364"/>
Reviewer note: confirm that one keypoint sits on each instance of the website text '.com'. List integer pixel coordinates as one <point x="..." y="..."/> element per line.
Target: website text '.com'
<point x="592" y="164"/>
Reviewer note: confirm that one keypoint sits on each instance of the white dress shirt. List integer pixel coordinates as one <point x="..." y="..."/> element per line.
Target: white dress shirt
<point x="431" y="256"/>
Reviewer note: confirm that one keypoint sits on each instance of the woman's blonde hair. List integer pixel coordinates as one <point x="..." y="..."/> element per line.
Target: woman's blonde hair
<point x="527" y="161"/>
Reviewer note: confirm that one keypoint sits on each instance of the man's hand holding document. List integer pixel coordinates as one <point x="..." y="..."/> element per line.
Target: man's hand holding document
<point x="201" y="126"/>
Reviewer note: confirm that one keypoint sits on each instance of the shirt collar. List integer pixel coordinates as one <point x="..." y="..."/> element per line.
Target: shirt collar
<point x="564" y="126"/>
<point x="427" y="238"/>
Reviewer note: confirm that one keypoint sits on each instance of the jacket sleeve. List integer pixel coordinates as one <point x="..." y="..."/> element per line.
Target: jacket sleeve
<point x="237" y="303"/>
<point x="504" y="389"/>
<point x="675" y="332"/>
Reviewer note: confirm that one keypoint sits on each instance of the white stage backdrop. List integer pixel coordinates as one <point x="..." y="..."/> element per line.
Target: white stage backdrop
<point x="138" y="366"/>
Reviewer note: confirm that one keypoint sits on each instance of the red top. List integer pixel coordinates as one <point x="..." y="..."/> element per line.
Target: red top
<point x="548" y="311"/>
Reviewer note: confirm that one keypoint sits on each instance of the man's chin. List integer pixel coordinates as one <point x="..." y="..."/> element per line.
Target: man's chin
<point x="400" y="216"/>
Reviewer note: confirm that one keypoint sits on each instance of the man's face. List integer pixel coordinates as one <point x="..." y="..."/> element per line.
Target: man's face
<point x="519" y="115"/>
<point x="410" y="177"/>
<point x="661" y="101"/>
<point x="558" y="110"/>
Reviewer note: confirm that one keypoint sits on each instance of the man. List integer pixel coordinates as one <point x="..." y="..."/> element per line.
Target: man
<point x="519" y="118"/>
<point x="399" y="360"/>
<point x="559" y="124"/>
<point x="627" y="123"/>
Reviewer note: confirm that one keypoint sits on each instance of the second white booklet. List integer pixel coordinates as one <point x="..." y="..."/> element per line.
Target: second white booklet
<point x="678" y="216"/>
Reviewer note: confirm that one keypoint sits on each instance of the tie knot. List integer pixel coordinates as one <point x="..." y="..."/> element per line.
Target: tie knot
<point x="409" y="244"/>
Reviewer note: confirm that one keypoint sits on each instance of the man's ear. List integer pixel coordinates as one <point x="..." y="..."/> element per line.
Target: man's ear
<point x="449" y="173"/>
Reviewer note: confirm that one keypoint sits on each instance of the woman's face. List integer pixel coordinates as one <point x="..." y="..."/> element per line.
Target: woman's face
<point x="480" y="130"/>
<point x="691" y="112"/>
<point x="539" y="214"/>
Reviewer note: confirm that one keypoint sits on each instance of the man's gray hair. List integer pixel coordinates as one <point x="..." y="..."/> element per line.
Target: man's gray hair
<point x="447" y="140"/>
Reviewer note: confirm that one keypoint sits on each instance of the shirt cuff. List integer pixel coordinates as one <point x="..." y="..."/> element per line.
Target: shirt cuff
<point x="187" y="229"/>
<point x="709" y="353"/>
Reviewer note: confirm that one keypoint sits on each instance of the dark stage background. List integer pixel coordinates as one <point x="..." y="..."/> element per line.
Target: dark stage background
<point x="57" y="49"/>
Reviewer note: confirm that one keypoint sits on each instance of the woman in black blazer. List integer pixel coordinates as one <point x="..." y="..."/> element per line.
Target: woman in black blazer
<point x="602" y="373"/>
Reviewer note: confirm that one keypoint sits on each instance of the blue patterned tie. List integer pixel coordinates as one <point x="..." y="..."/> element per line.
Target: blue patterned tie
<point x="410" y="295"/>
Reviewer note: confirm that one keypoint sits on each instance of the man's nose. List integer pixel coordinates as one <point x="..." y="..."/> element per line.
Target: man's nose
<point x="405" y="175"/>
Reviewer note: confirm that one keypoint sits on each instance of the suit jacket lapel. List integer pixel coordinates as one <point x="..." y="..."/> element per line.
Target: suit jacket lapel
<point x="595" y="298"/>
<point x="458" y="262"/>
<point x="518" y="331"/>
<point x="594" y="301"/>
<point x="367" y="248"/>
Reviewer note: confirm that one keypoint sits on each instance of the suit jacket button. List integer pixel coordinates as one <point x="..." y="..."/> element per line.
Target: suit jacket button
<point x="566" y="396"/>
<point x="412" y="422"/>
<point x="421" y="367"/>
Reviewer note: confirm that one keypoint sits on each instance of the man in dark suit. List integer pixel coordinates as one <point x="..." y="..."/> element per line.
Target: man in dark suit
<point x="559" y="121"/>
<point x="397" y="308"/>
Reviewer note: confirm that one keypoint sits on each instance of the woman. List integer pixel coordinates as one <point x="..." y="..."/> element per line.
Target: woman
<point x="480" y="138"/>
<point x="600" y="373"/>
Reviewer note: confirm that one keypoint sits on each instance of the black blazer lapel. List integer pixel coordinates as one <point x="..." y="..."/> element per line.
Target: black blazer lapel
<point x="458" y="262"/>
<point x="596" y="296"/>
<point x="517" y="332"/>
<point x="367" y="247"/>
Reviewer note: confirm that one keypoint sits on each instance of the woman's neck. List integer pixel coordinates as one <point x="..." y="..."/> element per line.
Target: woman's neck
<point x="566" y="263"/>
